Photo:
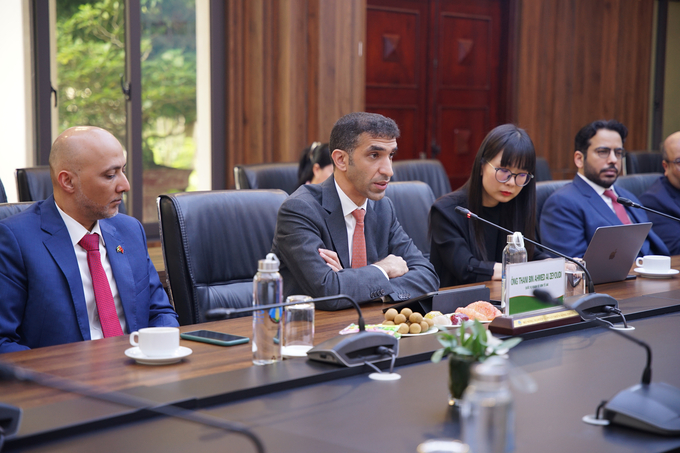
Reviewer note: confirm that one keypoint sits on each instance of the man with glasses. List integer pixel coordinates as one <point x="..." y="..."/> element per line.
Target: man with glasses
<point x="571" y="215"/>
<point x="664" y="195"/>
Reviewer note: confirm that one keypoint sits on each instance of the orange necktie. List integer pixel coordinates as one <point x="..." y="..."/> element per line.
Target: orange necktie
<point x="102" y="291"/>
<point x="359" y="241"/>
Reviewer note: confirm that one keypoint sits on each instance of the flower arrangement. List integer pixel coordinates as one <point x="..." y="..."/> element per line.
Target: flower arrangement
<point x="469" y="343"/>
<point x="471" y="340"/>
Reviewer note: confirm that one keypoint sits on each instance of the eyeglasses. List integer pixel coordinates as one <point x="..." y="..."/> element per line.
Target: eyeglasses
<point x="675" y="162"/>
<point x="504" y="175"/>
<point x="603" y="153"/>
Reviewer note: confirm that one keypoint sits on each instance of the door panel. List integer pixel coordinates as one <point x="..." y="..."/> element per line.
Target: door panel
<point x="396" y="68"/>
<point x="435" y="68"/>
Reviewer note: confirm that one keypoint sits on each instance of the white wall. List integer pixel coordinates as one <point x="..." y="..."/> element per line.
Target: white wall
<point x="16" y="129"/>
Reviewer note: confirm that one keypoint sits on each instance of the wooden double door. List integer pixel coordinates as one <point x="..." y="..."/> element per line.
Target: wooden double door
<point x="437" y="67"/>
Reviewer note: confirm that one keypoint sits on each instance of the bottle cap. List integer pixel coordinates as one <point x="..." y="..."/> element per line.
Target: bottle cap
<point x="269" y="264"/>
<point x="491" y="370"/>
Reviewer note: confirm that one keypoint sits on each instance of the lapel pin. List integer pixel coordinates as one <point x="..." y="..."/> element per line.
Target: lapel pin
<point x="119" y="249"/>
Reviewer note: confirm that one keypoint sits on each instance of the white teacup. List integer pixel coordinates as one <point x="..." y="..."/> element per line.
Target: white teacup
<point x="156" y="341"/>
<point x="654" y="263"/>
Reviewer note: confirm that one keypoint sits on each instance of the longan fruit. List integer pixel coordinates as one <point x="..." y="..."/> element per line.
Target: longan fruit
<point x="403" y="328"/>
<point x="424" y="326"/>
<point x="399" y="319"/>
<point x="406" y="312"/>
<point x="415" y="317"/>
<point x="390" y="314"/>
<point x="388" y="323"/>
<point x="429" y="321"/>
<point x="415" y="328"/>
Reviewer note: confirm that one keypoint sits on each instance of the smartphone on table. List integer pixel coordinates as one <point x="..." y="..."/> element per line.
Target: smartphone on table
<point x="218" y="338"/>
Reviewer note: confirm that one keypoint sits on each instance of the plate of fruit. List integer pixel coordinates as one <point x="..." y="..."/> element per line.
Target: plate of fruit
<point x="482" y="311"/>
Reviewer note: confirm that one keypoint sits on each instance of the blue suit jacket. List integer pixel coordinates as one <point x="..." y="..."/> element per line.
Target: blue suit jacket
<point x="571" y="215"/>
<point x="42" y="301"/>
<point x="663" y="197"/>
<point x="311" y="218"/>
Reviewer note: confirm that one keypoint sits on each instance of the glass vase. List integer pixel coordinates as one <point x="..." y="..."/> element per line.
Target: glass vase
<point x="459" y="377"/>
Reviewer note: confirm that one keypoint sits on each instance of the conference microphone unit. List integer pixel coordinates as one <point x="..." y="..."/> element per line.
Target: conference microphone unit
<point x="651" y="407"/>
<point x="466" y="213"/>
<point x="349" y="350"/>
<point x="10" y="416"/>
<point x="632" y="204"/>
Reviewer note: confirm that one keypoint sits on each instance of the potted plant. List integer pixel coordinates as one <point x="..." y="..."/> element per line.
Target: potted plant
<point x="465" y="345"/>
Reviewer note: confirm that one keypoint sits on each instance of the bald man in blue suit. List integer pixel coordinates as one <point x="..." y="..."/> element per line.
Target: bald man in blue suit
<point x="46" y="293"/>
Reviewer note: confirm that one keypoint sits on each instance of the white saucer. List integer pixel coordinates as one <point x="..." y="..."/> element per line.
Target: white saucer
<point x="136" y="353"/>
<point x="649" y="274"/>
<point x="295" y="351"/>
<point x="429" y="331"/>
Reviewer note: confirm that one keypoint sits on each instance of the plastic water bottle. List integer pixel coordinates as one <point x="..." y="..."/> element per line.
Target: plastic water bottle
<point x="267" y="289"/>
<point x="513" y="253"/>
<point x="487" y="414"/>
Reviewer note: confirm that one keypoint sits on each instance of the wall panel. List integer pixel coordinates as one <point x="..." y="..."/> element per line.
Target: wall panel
<point x="578" y="61"/>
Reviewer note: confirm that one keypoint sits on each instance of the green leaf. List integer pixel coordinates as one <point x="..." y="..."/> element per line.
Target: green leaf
<point x="437" y="356"/>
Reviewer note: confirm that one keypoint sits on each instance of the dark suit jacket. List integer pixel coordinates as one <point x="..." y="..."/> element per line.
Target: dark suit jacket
<point x="311" y="218"/>
<point x="571" y="215"/>
<point x="663" y="197"/>
<point x="42" y="301"/>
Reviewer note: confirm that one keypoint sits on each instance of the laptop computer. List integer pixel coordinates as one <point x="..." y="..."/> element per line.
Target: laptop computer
<point x="613" y="249"/>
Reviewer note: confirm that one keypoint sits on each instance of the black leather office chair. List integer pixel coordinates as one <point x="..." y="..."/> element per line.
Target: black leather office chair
<point x="211" y="244"/>
<point x="35" y="184"/>
<point x="542" y="170"/>
<point x="638" y="183"/>
<point x="412" y="201"/>
<point x="9" y="209"/>
<point x="267" y="176"/>
<point x="430" y="171"/>
<point x="3" y="195"/>
<point x="543" y="190"/>
<point x="643" y="162"/>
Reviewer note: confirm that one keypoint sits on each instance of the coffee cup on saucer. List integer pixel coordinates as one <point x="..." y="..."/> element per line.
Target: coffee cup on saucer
<point x="156" y="341"/>
<point x="654" y="264"/>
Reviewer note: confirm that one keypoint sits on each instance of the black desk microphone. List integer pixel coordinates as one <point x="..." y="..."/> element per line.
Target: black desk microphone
<point x="632" y="204"/>
<point x="651" y="407"/>
<point x="466" y="213"/>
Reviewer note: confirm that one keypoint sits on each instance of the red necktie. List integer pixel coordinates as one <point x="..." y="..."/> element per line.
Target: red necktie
<point x="618" y="207"/>
<point x="102" y="291"/>
<point x="359" y="241"/>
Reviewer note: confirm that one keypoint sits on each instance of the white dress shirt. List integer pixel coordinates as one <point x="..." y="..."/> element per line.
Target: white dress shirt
<point x="348" y="206"/>
<point x="76" y="231"/>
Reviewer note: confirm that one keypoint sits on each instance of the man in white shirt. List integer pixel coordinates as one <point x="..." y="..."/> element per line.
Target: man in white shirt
<point x="71" y="269"/>
<point x="571" y="215"/>
<point x="317" y="237"/>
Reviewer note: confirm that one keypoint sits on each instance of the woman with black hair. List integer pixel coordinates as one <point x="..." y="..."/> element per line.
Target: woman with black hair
<point x="501" y="189"/>
<point x="315" y="164"/>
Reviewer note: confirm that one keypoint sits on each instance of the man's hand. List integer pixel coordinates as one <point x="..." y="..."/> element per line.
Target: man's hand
<point x="395" y="266"/>
<point x="331" y="258"/>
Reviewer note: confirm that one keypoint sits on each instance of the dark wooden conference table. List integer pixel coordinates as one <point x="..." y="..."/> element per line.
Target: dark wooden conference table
<point x="299" y="405"/>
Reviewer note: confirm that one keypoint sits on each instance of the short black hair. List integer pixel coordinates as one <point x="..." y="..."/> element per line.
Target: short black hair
<point x="582" y="140"/>
<point x="346" y="131"/>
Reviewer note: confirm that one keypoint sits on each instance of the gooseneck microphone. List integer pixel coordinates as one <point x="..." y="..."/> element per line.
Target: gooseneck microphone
<point x="467" y="213"/>
<point x="349" y="350"/>
<point x="632" y="204"/>
<point x="651" y="407"/>
<point x="10" y="372"/>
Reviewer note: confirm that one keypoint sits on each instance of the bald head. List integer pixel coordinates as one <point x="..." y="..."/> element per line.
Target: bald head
<point x="670" y="152"/>
<point x="76" y="147"/>
<point x="87" y="168"/>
